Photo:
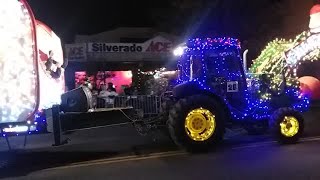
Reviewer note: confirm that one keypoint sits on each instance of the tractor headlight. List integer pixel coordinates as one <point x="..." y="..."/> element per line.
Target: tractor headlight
<point x="179" y="51"/>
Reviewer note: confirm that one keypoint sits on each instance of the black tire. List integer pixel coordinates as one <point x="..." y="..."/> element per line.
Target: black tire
<point x="176" y="122"/>
<point x="257" y="128"/>
<point x="277" y="117"/>
<point x="166" y="105"/>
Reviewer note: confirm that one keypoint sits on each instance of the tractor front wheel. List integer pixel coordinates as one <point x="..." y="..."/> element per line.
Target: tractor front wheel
<point x="287" y="125"/>
<point x="196" y="123"/>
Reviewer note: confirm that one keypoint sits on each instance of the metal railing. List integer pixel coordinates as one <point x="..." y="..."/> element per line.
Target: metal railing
<point x="148" y="104"/>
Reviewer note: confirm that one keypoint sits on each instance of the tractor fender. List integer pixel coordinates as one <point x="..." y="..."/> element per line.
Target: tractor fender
<point x="193" y="88"/>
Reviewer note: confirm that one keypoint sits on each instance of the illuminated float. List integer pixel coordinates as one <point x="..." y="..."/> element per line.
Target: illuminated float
<point x="304" y="48"/>
<point x="31" y="68"/>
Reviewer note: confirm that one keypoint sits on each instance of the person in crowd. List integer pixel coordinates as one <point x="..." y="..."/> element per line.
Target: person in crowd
<point x="80" y="78"/>
<point x="123" y="88"/>
<point x="88" y="84"/>
<point x="130" y="90"/>
<point x="92" y="80"/>
<point x="108" y="94"/>
<point x="99" y="79"/>
<point x="111" y="87"/>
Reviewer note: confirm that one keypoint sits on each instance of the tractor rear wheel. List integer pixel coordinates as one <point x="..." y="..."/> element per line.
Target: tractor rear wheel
<point x="287" y="125"/>
<point x="196" y="123"/>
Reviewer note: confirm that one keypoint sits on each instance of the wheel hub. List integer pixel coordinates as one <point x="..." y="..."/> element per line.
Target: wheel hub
<point x="200" y="124"/>
<point x="289" y="126"/>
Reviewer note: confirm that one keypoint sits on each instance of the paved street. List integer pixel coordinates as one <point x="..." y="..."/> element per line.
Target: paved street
<point x="89" y="145"/>
<point x="120" y="153"/>
<point x="249" y="161"/>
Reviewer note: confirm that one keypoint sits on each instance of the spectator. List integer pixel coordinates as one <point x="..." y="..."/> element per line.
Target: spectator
<point x="108" y="95"/>
<point x="111" y="87"/>
<point x="124" y="88"/>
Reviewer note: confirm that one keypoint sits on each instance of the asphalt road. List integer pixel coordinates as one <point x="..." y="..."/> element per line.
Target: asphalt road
<point x="265" y="160"/>
<point x="105" y="143"/>
<point x="120" y="153"/>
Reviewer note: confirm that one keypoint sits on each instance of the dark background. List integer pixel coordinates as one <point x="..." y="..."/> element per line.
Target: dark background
<point x="253" y="22"/>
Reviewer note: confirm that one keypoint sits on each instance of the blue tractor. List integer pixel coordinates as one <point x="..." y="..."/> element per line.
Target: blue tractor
<point x="214" y="91"/>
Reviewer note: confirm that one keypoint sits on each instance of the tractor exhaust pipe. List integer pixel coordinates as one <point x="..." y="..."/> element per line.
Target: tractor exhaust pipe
<point x="245" y="60"/>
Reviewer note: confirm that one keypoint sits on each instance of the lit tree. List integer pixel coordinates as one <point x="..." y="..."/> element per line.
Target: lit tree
<point x="273" y="19"/>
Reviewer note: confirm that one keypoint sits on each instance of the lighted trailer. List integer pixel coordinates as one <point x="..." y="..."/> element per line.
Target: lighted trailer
<point x="31" y="69"/>
<point x="32" y="79"/>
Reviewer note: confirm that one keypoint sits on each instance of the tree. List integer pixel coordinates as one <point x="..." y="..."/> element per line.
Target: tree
<point x="270" y="19"/>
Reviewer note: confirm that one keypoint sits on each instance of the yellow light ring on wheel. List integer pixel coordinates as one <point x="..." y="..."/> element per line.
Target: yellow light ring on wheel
<point x="200" y="124"/>
<point x="289" y="127"/>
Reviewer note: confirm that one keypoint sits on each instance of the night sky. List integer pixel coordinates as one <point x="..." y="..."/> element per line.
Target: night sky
<point x="232" y="18"/>
<point x="69" y="17"/>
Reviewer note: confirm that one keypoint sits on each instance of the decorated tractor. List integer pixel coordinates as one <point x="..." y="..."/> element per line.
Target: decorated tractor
<point x="215" y="91"/>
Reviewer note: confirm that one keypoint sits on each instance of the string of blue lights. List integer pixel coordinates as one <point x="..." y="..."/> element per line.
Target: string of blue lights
<point x="220" y="58"/>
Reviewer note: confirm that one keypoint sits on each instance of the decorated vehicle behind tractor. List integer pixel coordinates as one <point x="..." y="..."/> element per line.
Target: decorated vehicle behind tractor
<point x="213" y="91"/>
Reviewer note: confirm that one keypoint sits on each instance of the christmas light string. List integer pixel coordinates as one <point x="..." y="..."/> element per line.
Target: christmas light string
<point x="257" y="102"/>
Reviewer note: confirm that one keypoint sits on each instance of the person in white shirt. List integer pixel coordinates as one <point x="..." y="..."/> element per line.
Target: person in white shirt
<point x="108" y="95"/>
